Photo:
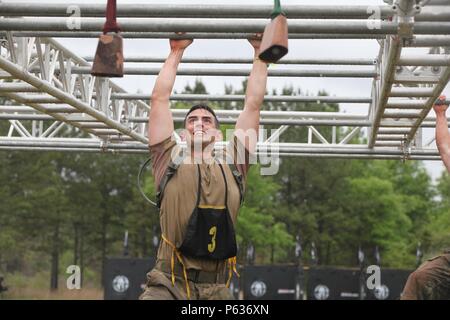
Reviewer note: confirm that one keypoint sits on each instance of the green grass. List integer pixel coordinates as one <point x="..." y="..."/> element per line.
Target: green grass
<point x="37" y="287"/>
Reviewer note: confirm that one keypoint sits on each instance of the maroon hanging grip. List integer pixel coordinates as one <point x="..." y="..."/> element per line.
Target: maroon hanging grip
<point x="111" y="21"/>
<point x="108" y="61"/>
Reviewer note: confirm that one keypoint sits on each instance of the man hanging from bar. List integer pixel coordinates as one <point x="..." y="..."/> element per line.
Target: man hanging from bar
<point x="199" y="191"/>
<point x="431" y="281"/>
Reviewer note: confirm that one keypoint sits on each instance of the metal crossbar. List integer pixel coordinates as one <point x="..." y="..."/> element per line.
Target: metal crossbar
<point x="53" y="103"/>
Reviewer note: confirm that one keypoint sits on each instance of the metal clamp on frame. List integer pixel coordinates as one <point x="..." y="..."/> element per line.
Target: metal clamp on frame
<point x="104" y="145"/>
<point x="406" y="148"/>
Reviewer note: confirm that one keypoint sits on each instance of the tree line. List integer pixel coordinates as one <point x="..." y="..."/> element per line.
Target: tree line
<point x="73" y="208"/>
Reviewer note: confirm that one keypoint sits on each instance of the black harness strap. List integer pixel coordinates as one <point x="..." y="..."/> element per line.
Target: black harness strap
<point x="172" y="169"/>
<point x="239" y="180"/>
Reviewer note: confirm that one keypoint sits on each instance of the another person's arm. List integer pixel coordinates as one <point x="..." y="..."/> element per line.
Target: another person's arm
<point x="160" y="123"/>
<point x="442" y="134"/>
<point x="247" y="125"/>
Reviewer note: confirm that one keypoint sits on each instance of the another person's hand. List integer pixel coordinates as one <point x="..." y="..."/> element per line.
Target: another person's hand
<point x="180" y="44"/>
<point x="440" y="108"/>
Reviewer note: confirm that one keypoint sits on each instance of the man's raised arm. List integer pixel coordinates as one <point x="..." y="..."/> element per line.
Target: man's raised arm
<point x="256" y="88"/>
<point x="442" y="134"/>
<point x="160" y="123"/>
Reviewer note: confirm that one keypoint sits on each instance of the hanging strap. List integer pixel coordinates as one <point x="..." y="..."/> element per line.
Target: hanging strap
<point x="276" y="10"/>
<point x="172" y="265"/>
<point x="111" y="23"/>
<point x="231" y="268"/>
<point x="239" y="180"/>
<point x="226" y="186"/>
<point x="172" y="168"/>
<point x="170" y="171"/>
<point x="199" y="185"/>
<point x="230" y="261"/>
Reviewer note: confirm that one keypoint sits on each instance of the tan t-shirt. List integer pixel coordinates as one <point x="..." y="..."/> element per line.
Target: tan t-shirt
<point x="180" y="193"/>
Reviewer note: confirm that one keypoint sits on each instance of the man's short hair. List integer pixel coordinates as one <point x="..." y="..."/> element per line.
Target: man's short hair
<point x="205" y="107"/>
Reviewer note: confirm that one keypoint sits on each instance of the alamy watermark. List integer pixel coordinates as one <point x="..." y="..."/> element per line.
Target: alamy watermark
<point x="374" y="19"/>
<point x="74" y="280"/>
<point x="73" y="22"/>
<point x="240" y="147"/>
<point x="374" y="280"/>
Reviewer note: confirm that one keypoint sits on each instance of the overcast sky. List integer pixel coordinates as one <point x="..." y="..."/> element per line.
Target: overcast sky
<point x="298" y="48"/>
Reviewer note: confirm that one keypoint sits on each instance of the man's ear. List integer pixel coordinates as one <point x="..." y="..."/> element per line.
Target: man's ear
<point x="183" y="135"/>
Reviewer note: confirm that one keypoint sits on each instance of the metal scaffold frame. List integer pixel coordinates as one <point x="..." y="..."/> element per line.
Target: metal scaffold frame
<point x="53" y="103"/>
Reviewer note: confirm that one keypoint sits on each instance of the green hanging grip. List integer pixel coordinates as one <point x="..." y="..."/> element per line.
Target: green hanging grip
<point x="277" y="10"/>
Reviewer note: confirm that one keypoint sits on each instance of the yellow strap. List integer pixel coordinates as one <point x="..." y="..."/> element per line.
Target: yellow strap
<point x="230" y="274"/>
<point x="210" y="207"/>
<point x="172" y="265"/>
<point x="231" y="268"/>
<point x="234" y="267"/>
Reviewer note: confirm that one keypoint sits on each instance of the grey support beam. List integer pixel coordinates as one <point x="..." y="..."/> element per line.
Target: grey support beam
<point x="143" y="10"/>
<point x="217" y="26"/>
<point x="239" y="72"/>
<point x="190" y="35"/>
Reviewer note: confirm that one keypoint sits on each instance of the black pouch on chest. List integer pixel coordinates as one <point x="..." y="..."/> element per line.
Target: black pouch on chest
<point x="210" y="231"/>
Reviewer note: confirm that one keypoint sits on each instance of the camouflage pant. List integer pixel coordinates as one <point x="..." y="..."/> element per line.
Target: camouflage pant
<point x="159" y="287"/>
<point x="431" y="281"/>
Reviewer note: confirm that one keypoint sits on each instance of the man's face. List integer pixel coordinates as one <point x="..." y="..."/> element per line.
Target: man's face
<point x="201" y="128"/>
